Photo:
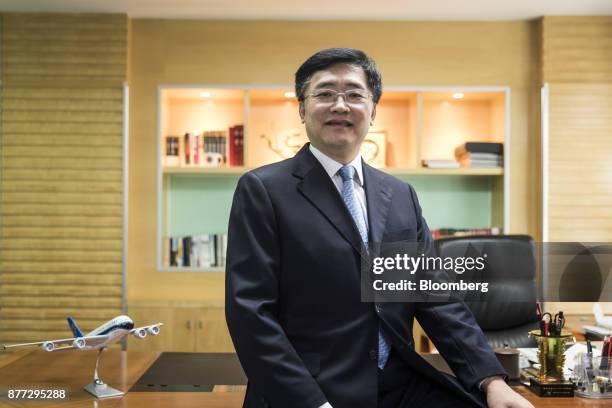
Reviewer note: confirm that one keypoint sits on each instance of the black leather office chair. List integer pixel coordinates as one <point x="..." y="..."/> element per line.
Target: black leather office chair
<point x="510" y="258"/>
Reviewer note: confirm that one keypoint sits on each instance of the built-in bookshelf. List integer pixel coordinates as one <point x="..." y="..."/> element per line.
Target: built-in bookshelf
<point x="209" y="136"/>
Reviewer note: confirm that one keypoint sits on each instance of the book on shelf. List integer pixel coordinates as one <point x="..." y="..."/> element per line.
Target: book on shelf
<point x="467" y="161"/>
<point x="186" y="149"/>
<point x="231" y="146"/>
<point x="480" y="155"/>
<point x="195" y="149"/>
<point x="197" y="251"/>
<point x="440" y="164"/>
<point x="173" y="252"/>
<point x="461" y="232"/>
<point x="171" y="159"/>
<point x="187" y="251"/>
<point x="213" y="148"/>
<point x="191" y="147"/>
<point x="479" y="147"/>
<point x="236" y="146"/>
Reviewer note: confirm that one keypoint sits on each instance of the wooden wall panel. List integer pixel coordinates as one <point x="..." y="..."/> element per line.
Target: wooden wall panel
<point x="61" y="162"/>
<point x="577" y="65"/>
<point x="580" y="194"/>
<point x="269" y="52"/>
<point x="577" y="49"/>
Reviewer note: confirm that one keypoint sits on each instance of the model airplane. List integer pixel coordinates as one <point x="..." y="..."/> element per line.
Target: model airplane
<point x="100" y="337"/>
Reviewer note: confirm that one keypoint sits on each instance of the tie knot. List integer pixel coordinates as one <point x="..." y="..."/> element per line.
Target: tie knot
<point x="347" y="173"/>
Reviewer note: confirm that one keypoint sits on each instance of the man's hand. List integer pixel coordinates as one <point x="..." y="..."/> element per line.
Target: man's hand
<point x="500" y="395"/>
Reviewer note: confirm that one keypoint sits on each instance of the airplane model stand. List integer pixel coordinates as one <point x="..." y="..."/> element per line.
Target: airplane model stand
<point x="99" y="389"/>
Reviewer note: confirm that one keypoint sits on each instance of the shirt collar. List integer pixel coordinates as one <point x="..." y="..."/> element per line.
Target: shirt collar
<point x="331" y="166"/>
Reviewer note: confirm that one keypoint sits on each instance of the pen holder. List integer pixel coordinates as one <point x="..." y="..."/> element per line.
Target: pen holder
<point x="551" y="355"/>
<point x="593" y="377"/>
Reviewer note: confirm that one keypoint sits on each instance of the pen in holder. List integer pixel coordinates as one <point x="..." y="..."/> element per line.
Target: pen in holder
<point x="551" y="355"/>
<point x="593" y="377"/>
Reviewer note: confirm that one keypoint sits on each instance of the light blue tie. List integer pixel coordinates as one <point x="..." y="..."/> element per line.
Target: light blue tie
<point x="348" y="195"/>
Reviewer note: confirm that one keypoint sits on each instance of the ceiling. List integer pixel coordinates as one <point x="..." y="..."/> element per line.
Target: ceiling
<point x="321" y="9"/>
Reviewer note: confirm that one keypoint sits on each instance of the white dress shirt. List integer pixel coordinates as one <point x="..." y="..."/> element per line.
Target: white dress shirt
<point x="331" y="167"/>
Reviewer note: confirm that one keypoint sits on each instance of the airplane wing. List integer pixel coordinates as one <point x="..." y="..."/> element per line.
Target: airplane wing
<point x="39" y="343"/>
<point x="141" y="332"/>
<point x="62" y="344"/>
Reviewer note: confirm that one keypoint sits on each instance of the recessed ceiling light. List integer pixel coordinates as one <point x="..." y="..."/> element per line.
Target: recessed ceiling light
<point x="205" y="94"/>
<point x="458" y="95"/>
<point x="289" y="94"/>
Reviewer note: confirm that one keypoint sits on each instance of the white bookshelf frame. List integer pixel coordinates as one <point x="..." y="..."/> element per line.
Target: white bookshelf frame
<point x="417" y="171"/>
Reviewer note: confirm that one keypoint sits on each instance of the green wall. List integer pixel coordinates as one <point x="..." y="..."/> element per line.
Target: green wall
<point x="201" y="204"/>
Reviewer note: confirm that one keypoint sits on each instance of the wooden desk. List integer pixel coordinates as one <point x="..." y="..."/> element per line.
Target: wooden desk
<point x="73" y="369"/>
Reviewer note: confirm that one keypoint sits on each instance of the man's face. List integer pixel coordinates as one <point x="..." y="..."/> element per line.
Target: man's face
<point x="338" y="127"/>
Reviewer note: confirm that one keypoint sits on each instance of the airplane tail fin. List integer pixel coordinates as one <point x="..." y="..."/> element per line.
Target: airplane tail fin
<point x="73" y="326"/>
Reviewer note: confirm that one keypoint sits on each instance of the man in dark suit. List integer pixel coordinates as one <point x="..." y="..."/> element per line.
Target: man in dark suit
<point x="293" y="300"/>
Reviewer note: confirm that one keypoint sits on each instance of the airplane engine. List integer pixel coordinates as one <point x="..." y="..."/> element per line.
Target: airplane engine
<point x="47" y="346"/>
<point x="153" y="330"/>
<point x="79" y="343"/>
<point x="140" y="334"/>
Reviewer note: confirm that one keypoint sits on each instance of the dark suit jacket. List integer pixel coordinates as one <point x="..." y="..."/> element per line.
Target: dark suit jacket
<point x="293" y="303"/>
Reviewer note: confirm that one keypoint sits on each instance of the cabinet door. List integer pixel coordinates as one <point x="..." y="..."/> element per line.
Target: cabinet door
<point x="177" y="333"/>
<point x="212" y="334"/>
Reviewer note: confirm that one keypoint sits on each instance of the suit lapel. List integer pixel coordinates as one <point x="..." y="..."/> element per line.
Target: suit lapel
<point x="318" y="188"/>
<point x="378" y="197"/>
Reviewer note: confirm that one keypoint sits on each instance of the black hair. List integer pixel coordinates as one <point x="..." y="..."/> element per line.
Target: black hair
<point x="332" y="56"/>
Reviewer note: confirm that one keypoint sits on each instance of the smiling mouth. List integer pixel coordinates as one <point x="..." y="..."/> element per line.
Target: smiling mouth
<point x="341" y="123"/>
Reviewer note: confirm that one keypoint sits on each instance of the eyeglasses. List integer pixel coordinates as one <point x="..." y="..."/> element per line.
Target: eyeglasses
<point x="351" y="97"/>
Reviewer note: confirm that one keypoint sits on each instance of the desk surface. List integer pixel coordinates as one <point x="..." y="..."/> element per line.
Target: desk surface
<point x="73" y="370"/>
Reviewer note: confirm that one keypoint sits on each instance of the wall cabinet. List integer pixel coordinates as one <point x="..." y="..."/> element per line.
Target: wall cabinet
<point x="186" y="328"/>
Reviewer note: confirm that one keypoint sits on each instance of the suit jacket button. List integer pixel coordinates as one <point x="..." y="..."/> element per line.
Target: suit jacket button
<point x="373" y="355"/>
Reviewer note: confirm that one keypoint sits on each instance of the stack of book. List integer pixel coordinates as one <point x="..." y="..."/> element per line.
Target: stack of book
<point x="198" y="251"/>
<point x="480" y="154"/>
<point x="213" y="148"/>
<point x="440" y="164"/>
<point x="461" y="232"/>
